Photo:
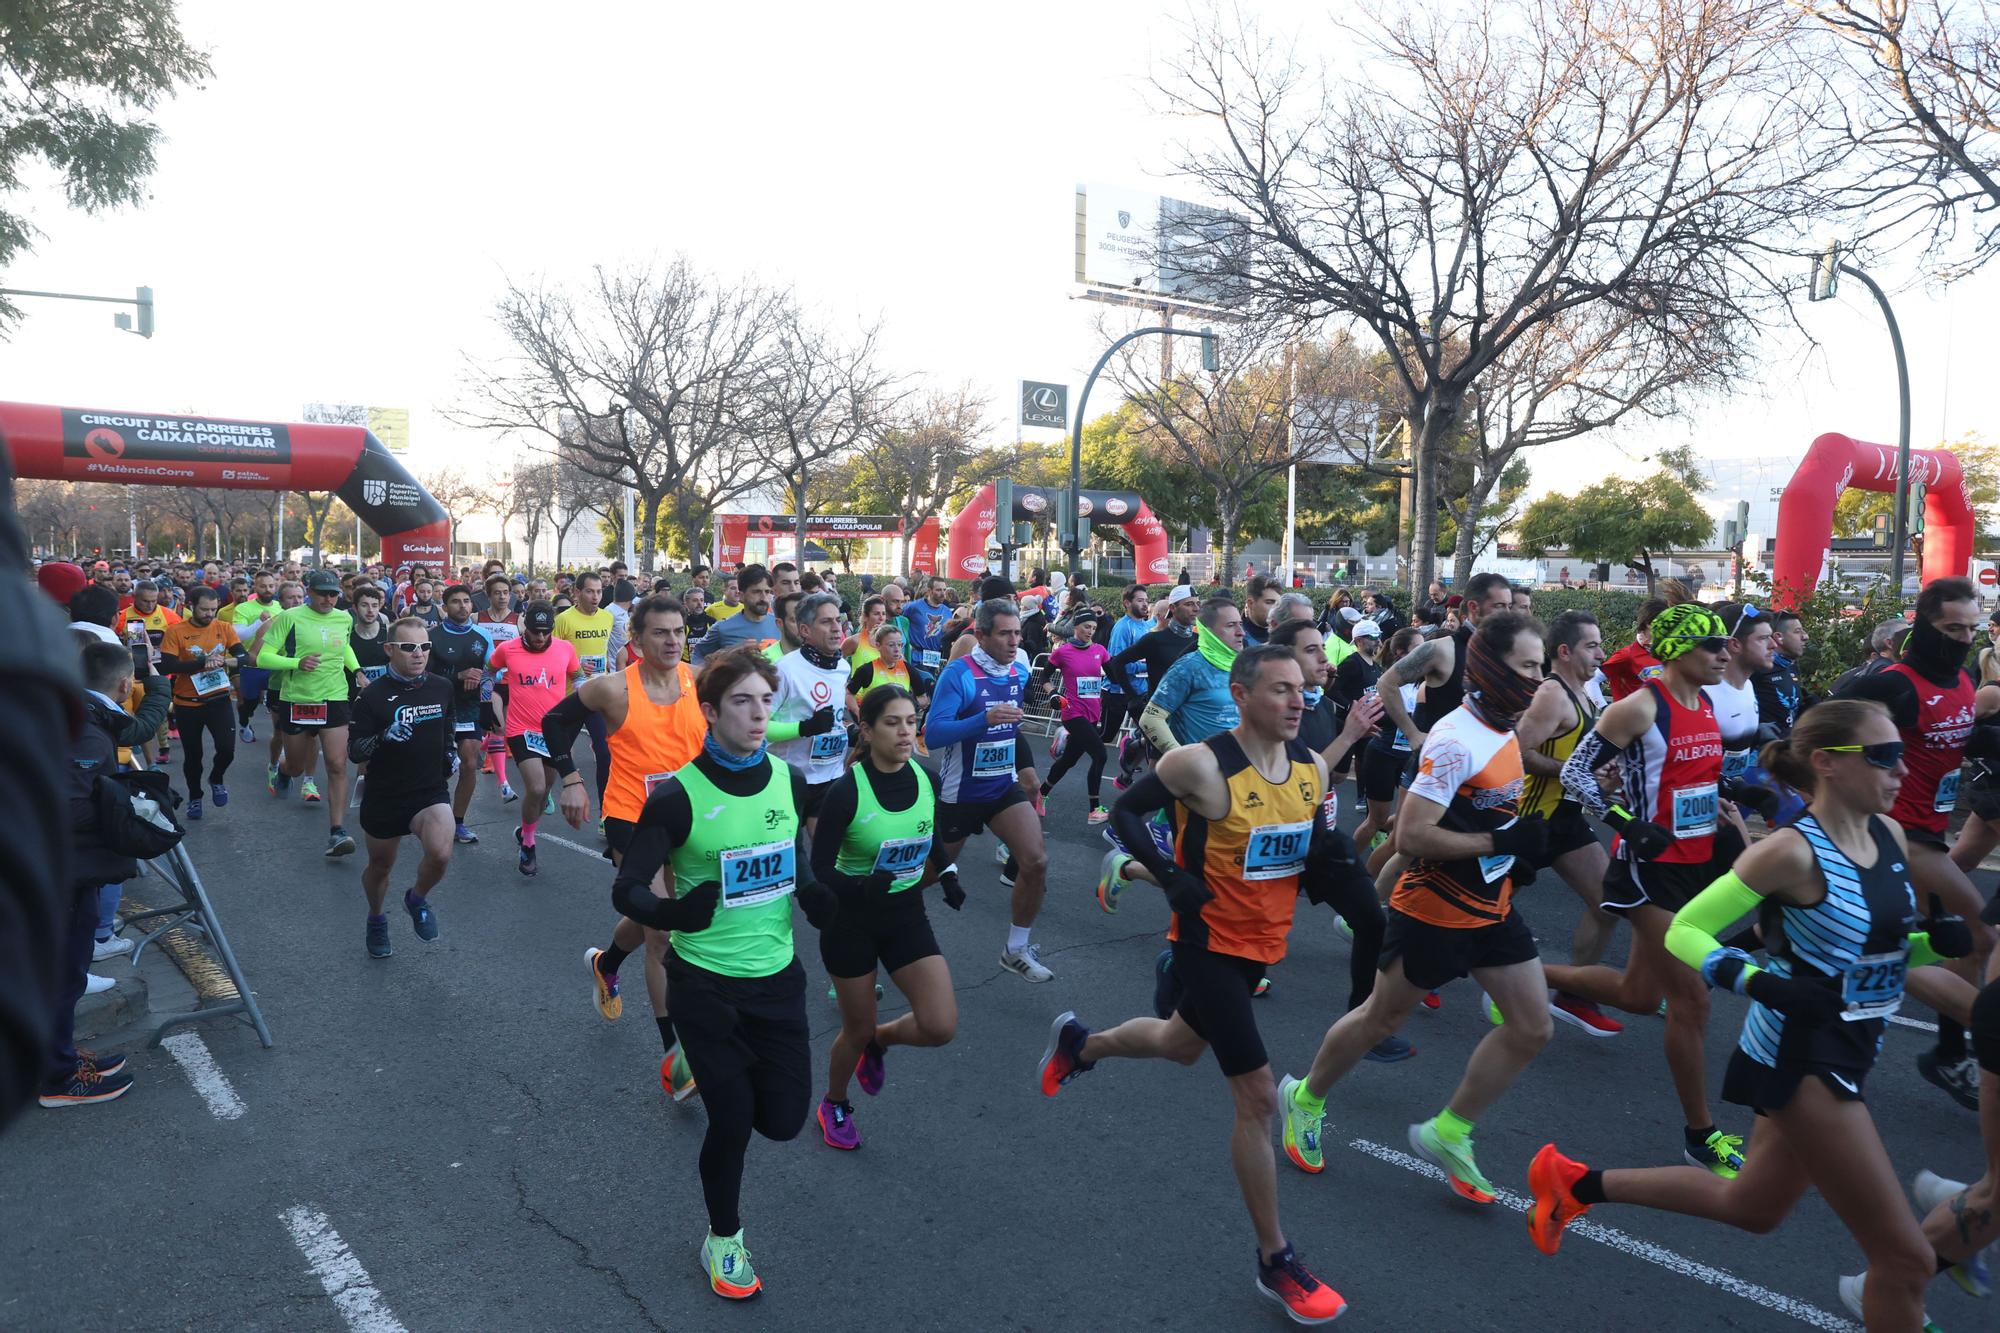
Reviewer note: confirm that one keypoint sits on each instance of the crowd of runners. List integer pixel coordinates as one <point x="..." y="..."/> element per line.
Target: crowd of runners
<point x="759" y="743"/>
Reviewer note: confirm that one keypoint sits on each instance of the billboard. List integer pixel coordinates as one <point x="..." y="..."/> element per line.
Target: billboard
<point x="1045" y="404"/>
<point x="1136" y="241"/>
<point x="390" y="425"/>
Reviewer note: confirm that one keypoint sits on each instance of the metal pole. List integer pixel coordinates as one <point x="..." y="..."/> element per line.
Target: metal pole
<point x="1071" y="526"/>
<point x="631" y="558"/>
<point x="1899" y="529"/>
<point x="1292" y="469"/>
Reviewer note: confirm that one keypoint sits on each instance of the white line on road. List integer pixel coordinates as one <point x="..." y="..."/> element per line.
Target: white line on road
<point x="342" y="1275"/>
<point x="1916" y="1023"/>
<point x="1640" y="1249"/>
<point x="593" y="852"/>
<point x="191" y="1053"/>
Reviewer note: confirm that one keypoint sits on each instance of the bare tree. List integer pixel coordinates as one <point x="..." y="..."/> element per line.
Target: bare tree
<point x="459" y="494"/>
<point x="578" y="492"/>
<point x="652" y="366"/>
<point x="535" y="499"/>
<point x="924" y="454"/>
<point x="1506" y="164"/>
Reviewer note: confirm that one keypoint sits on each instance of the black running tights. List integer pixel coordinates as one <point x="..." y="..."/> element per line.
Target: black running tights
<point x="1083" y="740"/>
<point x="770" y="1100"/>
<point x="216" y="717"/>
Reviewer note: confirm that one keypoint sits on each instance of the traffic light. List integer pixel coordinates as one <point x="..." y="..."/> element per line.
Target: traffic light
<point x="1825" y="274"/>
<point x="144" y="304"/>
<point x="1209" y="360"/>
<point x="1729" y="534"/>
<point x="1024" y="534"/>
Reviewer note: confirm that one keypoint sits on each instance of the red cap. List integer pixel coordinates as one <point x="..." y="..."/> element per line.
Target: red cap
<point x="61" y="580"/>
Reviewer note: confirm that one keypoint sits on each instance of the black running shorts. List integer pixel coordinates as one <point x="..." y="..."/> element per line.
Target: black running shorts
<point x="958" y="821"/>
<point x="1569" y="829"/>
<point x="1433" y="955"/>
<point x="390" y="814"/>
<point x="1381" y="771"/>
<point x="337" y="715"/>
<point x="1764" y="1088"/>
<point x="1629" y="885"/>
<point x="891" y="937"/>
<point x="1985" y="1028"/>
<point x="1215" y="1002"/>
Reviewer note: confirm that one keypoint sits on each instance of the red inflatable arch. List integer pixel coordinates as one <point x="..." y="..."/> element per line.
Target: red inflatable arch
<point x="150" y="449"/>
<point x="1831" y="465"/>
<point x="1101" y="509"/>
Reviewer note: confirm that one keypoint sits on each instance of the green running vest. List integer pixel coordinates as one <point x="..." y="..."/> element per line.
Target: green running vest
<point x="898" y="841"/>
<point x="748" y="845"/>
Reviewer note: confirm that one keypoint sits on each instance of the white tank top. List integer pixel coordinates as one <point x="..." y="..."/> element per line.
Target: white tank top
<point x="1736" y="718"/>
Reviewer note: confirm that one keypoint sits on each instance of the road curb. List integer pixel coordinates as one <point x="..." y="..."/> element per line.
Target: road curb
<point x="122" y="1006"/>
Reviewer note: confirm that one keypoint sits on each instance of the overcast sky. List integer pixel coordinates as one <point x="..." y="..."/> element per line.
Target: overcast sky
<point x="335" y="211"/>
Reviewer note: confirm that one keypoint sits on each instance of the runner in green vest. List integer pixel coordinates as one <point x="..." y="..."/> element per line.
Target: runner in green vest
<point x="729" y="822"/>
<point x="876" y="826"/>
<point x="309" y="644"/>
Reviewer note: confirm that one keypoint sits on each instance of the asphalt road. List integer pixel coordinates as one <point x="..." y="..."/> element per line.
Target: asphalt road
<point x="493" y="1155"/>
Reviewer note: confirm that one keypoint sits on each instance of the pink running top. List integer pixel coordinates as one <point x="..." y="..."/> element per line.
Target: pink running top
<point x="536" y="682"/>
<point x="1083" y="679"/>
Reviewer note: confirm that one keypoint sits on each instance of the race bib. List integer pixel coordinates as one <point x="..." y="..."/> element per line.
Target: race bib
<point x="468" y="727"/>
<point x="1089" y="687"/>
<point x="593" y="666"/>
<point x="655" y="779"/>
<point x="1400" y="742"/>
<point x="1276" y="850"/>
<point x="1494" y="868"/>
<point x="535" y="743"/>
<point x="373" y="674"/>
<point x="1735" y="763"/>
<point x="900" y="857"/>
<point x="210" y="682"/>
<point x="486" y="690"/>
<point x="829" y="748"/>
<point x="753" y="875"/>
<point x="1694" y="811"/>
<point x="308" y="715"/>
<point x="1947" y="792"/>
<point x="1873" y="986"/>
<point x="927" y="658"/>
<point x="993" y="759"/>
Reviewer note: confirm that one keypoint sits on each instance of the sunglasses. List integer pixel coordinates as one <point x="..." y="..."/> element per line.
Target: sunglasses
<point x="1882" y="754"/>
<point x="411" y="647"/>
<point x="1714" y="643"/>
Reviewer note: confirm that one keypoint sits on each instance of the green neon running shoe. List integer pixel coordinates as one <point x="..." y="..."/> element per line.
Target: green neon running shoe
<point x="728" y="1265"/>
<point x="1460" y="1171"/>
<point x="1302" y="1127"/>
<point x="1718" y="1152"/>
<point x="1493" y="1014"/>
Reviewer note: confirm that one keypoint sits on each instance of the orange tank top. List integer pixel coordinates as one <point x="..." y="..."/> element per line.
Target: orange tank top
<point x="651" y="745"/>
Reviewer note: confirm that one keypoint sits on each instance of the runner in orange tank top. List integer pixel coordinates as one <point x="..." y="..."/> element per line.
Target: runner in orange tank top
<point x="654" y="727"/>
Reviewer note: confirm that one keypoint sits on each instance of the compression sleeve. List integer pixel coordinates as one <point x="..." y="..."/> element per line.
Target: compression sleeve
<point x="560" y="727"/>
<point x="1694" y="933"/>
<point x="944" y="725"/>
<point x="1921" y="952"/>
<point x="1131" y="815"/>
<point x="777" y="733"/>
<point x="802" y="844"/>
<point x="1153" y="726"/>
<point x="663" y="825"/>
<point x="365" y="735"/>
<point x="836" y="813"/>
<point x="268" y="656"/>
<point x="1579" y="772"/>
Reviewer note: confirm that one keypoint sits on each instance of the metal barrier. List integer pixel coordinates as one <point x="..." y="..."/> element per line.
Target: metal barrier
<point x="196" y="911"/>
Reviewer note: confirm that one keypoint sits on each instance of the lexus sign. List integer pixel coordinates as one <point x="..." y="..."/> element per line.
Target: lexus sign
<point x="1045" y="405"/>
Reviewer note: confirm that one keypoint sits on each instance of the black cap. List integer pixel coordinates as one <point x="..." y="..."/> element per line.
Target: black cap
<point x="323" y="580"/>
<point x="540" y="616"/>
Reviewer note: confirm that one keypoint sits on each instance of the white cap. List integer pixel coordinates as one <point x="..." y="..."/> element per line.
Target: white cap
<point x="1349" y="614"/>
<point x="1367" y="629"/>
<point x="1180" y="593"/>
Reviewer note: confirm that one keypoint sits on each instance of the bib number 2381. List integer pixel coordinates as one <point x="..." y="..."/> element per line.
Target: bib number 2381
<point x="993" y="759"/>
<point x="753" y="875"/>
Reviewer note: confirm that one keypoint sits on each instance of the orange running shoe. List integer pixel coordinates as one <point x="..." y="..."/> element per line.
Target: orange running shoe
<point x="1305" y="1298"/>
<point x="1551" y="1179"/>
<point x="606" y="986"/>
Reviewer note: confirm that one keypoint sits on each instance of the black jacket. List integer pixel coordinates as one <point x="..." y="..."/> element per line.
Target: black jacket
<point x="1158" y="649"/>
<point x="93" y="752"/>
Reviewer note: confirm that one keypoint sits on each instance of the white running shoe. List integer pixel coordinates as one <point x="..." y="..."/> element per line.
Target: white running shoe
<point x="1000" y="852"/>
<point x="110" y="948"/>
<point x="94" y="984"/>
<point x="1027" y="964"/>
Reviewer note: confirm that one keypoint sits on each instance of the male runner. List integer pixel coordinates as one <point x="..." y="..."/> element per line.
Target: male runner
<point x="252" y="681"/>
<point x="458" y="653"/>
<point x="1193" y="700"/>
<point x="1452" y="912"/>
<point x="808" y="726"/>
<point x="1561" y="714"/>
<point x="310" y="645"/>
<point x="1676" y="834"/>
<point x="500" y="622"/>
<point x="403" y="731"/>
<point x="986" y="773"/>
<point x="1257" y="607"/>
<point x="1438" y="665"/>
<point x="199" y="652"/>
<point x="1780" y="695"/>
<point x="1127" y="698"/>
<point x="784" y="608"/>
<point x="1634" y="664"/>
<point x="586" y="627"/>
<point x="924" y="622"/>
<point x="1249" y="833"/>
<point x="752" y="622"/>
<point x="784" y="578"/>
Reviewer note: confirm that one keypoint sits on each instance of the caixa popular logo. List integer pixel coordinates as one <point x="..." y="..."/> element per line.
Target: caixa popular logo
<point x="374" y="490"/>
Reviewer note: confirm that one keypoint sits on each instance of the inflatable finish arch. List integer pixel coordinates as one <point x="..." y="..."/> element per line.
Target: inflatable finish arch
<point x="147" y="449"/>
<point x="1835" y="462"/>
<point x="1123" y="510"/>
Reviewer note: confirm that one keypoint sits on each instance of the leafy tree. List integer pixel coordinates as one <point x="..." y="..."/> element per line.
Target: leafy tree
<point x="77" y="79"/>
<point x="1619" y="522"/>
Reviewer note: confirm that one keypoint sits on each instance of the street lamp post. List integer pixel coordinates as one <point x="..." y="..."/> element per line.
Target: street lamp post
<point x="141" y="302"/>
<point x="1072" y="524"/>
<point x="1825" y="282"/>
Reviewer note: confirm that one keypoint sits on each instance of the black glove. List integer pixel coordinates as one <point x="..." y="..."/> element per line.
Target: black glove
<point x="1647" y="840"/>
<point x="819" y="723"/>
<point x="878" y="884"/>
<point x="1949" y="935"/>
<point x="1187" y="895"/>
<point x="816" y="900"/>
<point x="1752" y="796"/>
<point x="954" y="893"/>
<point x="1527" y="838"/>
<point x="1803" y="1000"/>
<point x="691" y="911"/>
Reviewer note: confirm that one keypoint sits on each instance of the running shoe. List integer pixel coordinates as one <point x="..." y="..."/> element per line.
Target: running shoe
<point x="1006" y="878"/>
<point x="1460" y="1171"/>
<point x="86" y="1085"/>
<point x="1960" y="1081"/>
<point x="1582" y="1013"/>
<point x="508" y="794"/>
<point x="1551" y="1178"/>
<point x="605" y="984"/>
<point x="527" y="860"/>
<point x="309" y="791"/>
<point x="1000" y="853"/>
<point x="1340" y="924"/>
<point x="600" y="826"/>
<point x="1305" y="1298"/>
<point x="219" y="794"/>
<point x="1098" y="815"/>
<point x="549" y="804"/>
<point x="1850" y="1296"/>
<point x="1302" y="1127"/>
<point x="1433" y="1001"/>
<point x="464" y="834"/>
<point x="194" y="807"/>
<point x="1026" y="964"/>
<point x="1166" y="984"/>
<point x="730" y="1275"/>
<point x="173" y="733"/>
<point x="1717" y="1152"/>
<point x="248" y="735"/>
<point x="340" y="843"/>
<point x="166" y="752"/>
<point x="1392" y="1049"/>
<point x="276" y="782"/>
<point x="1111" y="879"/>
<point x="1262" y="988"/>
<point x="378" y="937"/>
<point x="1491" y="1010"/>
<point x="836" y="1125"/>
<point x="103" y="1064"/>
<point x="870" y="1071"/>
<point x="833" y="994"/>
<point x="421" y="917"/>
<point x="1063" y="1059"/>
<point x="111" y="948"/>
<point x="1931" y="1190"/>
<point x="676" y="1077"/>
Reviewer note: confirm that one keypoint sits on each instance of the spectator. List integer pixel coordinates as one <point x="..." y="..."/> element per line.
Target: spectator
<point x="1885" y="645"/>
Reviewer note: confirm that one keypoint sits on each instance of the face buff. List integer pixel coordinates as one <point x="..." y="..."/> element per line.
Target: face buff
<point x="736" y="763"/>
<point x="1500" y="693"/>
<point x="1217" y="653"/>
<point x="1935" y="656"/>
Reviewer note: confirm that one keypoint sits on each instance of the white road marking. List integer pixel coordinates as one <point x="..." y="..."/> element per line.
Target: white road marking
<point x="592" y="852"/>
<point x="1916" y="1023"/>
<point x="1642" y="1249"/>
<point x="345" y="1280"/>
<point x="191" y="1053"/>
